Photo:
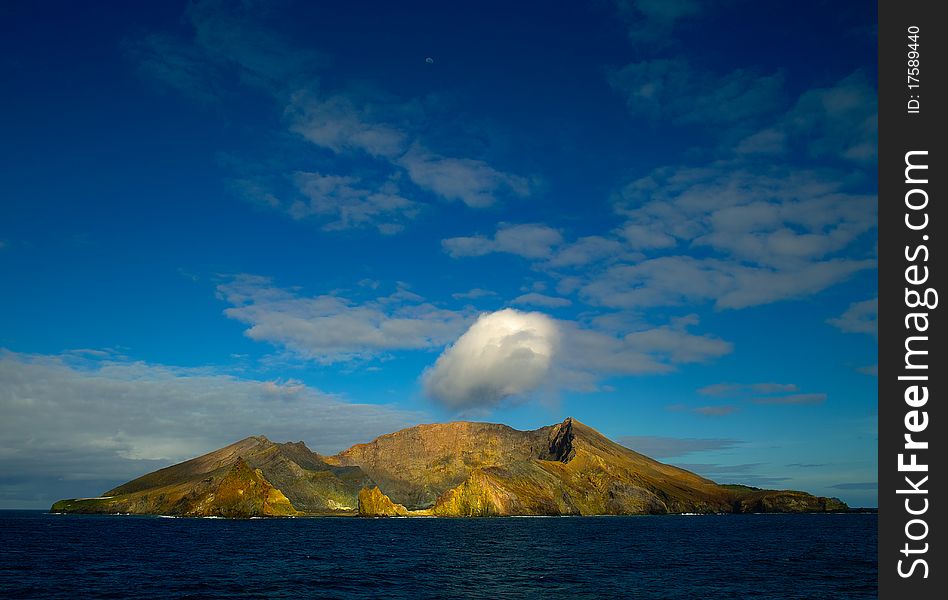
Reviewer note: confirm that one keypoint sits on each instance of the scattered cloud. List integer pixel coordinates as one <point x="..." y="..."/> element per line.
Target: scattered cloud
<point x="771" y="216"/>
<point x="536" y="299"/>
<point x="860" y="317"/>
<point x="864" y="485"/>
<point x="652" y="21"/>
<point x="503" y="354"/>
<point x="819" y="398"/>
<point x="680" y="280"/>
<point x="667" y="447"/>
<point x="720" y="410"/>
<point x="763" y="393"/>
<point x="595" y="353"/>
<point x="741" y="389"/>
<point x="77" y="424"/>
<point x="472" y="181"/>
<point x="673" y="89"/>
<point x="531" y="240"/>
<point x="473" y="294"/>
<point x="233" y="46"/>
<point x="743" y="474"/>
<point x="338" y="124"/>
<point x="348" y="205"/>
<point x="872" y="370"/>
<point x="586" y="250"/>
<point x="837" y="123"/>
<point x="331" y="328"/>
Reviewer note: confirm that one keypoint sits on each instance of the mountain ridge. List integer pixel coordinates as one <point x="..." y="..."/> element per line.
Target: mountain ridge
<point x="462" y="468"/>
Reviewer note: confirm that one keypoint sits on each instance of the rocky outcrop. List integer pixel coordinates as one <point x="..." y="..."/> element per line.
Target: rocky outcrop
<point x="373" y="503"/>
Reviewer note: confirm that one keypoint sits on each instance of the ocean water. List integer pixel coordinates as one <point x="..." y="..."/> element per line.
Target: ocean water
<point x="725" y="556"/>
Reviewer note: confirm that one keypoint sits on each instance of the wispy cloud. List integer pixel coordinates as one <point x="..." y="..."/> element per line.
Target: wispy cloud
<point x="860" y="317"/>
<point x="332" y="328"/>
<point x="819" y="398"/>
<point x="864" y="485"/>
<point x="651" y="22"/>
<point x="719" y="410"/>
<point x="668" y="447"/>
<point x="740" y="389"/>
<point x="537" y="299"/>
<point x="672" y="89"/>
<point x="838" y="123"/>
<point x="473" y="294"/>
<point x="763" y="393"/>
<point x="233" y="47"/>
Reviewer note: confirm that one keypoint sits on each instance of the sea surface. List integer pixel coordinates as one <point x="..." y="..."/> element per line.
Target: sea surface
<point x="719" y="556"/>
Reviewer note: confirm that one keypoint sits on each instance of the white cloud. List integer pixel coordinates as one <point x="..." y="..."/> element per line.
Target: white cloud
<point x="860" y="317"/>
<point x="512" y="350"/>
<point x="532" y="240"/>
<point x="78" y="424"/>
<point x="503" y="354"/>
<point x="330" y="328"/>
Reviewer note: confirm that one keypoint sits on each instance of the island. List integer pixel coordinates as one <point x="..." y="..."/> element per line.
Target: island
<point x="460" y="469"/>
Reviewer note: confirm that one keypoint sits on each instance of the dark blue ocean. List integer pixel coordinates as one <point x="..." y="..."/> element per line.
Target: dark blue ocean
<point x="727" y="556"/>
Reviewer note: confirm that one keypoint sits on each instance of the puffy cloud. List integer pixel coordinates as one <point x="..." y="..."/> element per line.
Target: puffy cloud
<point x="860" y="317"/>
<point x="531" y="240"/>
<point x="79" y="423"/>
<point x="330" y="328"/>
<point x="505" y="353"/>
<point x="512" y="353"/>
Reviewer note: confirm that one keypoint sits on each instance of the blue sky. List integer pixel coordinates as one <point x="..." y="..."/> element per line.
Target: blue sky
<point x="327" y="221"/>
